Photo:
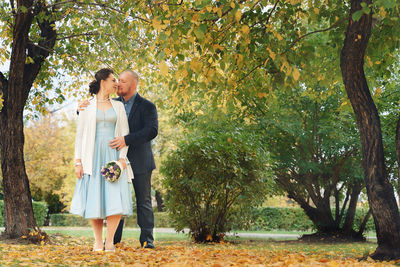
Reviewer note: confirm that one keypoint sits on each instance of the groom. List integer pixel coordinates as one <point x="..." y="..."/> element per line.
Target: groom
<point x="143" y="127"/>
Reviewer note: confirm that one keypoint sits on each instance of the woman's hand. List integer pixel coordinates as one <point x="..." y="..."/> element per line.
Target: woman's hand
<point x="79" y="171"/>
<point x="123" y="163"/>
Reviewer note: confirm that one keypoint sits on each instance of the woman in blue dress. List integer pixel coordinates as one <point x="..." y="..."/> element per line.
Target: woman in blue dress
<point x="95" y="198"/>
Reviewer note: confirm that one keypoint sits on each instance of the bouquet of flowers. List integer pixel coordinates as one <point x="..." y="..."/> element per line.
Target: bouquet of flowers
<point x="112" y="171"/>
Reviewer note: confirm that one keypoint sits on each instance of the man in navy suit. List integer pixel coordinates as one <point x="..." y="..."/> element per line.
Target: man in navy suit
<point x="143" y="127"/>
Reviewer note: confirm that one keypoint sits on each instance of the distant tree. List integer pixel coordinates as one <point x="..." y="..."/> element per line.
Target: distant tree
<point x="315" y="156"/>
<point x="48" y="153"/>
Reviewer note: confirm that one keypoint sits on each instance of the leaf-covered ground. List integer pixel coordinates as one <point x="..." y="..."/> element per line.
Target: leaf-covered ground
<point x="76" y="251"/>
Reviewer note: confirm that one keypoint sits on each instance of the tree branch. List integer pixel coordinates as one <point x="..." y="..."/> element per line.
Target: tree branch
<point x="41" y="51"/>
<point x="268" y="17"/>
<point x="291" y="45"/>
<point x="337" y="23"/>
<point x="79" y="35"/>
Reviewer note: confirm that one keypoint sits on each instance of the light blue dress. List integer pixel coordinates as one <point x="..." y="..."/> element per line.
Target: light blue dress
<point x="94" y="197"/>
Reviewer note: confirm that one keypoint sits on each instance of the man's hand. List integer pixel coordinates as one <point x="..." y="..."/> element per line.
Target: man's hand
<point x="82" y="105"/>
<point x="118" y="143"/>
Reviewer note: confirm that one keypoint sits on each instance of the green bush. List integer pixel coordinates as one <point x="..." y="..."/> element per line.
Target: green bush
<point x="212" y="176"/>
<point x="66" y="219"/>
<point x="39" y="210"/>
<point x="1" y="212"/>
<point x="256" y="219"/>
<point x="289" y="219"/>
<point x="161" y="220"/>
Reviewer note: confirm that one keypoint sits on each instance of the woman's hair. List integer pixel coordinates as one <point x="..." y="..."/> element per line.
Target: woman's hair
<point x="102" y="74"/>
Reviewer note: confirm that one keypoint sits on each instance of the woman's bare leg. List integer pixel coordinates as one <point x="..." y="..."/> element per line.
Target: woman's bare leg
<point x="97" y="225"/>
<point x="112" y="224"/>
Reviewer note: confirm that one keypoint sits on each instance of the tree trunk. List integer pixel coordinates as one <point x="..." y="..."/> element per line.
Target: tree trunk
<point x="380" y="192"/>
<point x="18" y="211"/>
<point x="363" y="224"/>
<point x="351" y="211"/>
<point x="321" y="216"/>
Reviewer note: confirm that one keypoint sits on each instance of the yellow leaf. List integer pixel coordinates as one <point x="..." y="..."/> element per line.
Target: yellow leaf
<point x="163" y="68"/>
<point x="209" y="238"/>
<point x="296" y="74"/>
<point x="167" y="51"/>
<point x="184" y="73"/>
<point x="245" y="29"/>
<point x="156" y="24"/>
<point x="217" y="46"/>
<point x="280" y="38"/>
<point x="261" y="95"/>
<point x="238" y="15"/>
<point x="239" y="58"/>
<point x="378" y="91"/>
<point x="195" y="18"/>
<point x="271" y="53"/>
<point x="284" y="64"/>
<point x="195" y="65"/>
<point x="369" y="61"/>
<point x="219" y="12"/>
<point x="229" y="140"/>
<point x="382" y="12"/>
<point x="293" y="2"/>
<point x="316" y="10"/>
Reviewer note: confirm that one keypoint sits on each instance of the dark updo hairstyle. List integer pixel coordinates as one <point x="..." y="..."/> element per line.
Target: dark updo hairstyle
<point x="102" y="74"/>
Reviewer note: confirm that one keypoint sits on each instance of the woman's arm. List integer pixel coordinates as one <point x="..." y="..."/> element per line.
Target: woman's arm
<point x="78" y="145"/>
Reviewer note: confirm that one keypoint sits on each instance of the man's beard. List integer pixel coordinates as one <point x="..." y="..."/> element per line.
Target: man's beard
<point x="120" y="93"/>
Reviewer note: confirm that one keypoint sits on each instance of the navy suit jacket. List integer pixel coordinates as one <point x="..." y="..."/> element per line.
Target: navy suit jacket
<point x="143" y="127"/>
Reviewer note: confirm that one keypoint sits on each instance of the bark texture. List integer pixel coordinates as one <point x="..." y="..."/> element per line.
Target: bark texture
<point x="380" y="192"/>
<point x="18" y="214"/>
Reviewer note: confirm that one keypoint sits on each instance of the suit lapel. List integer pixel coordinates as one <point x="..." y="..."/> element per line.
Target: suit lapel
<point x="138" y="99"/>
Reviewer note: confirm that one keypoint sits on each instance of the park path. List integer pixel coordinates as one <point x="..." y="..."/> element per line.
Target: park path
<point x="186" y="230"/>
<point x="172" y="231"/>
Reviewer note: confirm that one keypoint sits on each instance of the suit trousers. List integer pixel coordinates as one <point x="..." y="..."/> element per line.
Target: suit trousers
<point x="144" y="209"/>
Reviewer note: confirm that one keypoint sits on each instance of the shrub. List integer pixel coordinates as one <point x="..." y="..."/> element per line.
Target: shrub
<point x="211" y="177"/>
<point x="66" y="219"/>
<point x="289" y="219"/>
<point x="39" y="210"/>
<point x="1" y="212"/>
<point x="161" y="220"/>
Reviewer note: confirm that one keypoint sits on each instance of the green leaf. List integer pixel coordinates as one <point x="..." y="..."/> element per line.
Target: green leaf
<point x="387" y="3"/>
<point x="357" y="15"/>
<point x="199" y="33"/>
<point x="23" y="9"/>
